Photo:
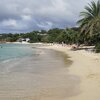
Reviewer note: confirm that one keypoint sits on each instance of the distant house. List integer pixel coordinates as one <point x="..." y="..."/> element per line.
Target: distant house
<point x="23" y="40"/>
<point x="27" y="39"/>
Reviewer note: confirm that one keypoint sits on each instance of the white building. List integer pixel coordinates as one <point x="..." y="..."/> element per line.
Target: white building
<point x="23" y="40"/>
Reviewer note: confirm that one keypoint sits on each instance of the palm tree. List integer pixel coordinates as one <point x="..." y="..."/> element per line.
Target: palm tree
<point x="90" y="22"/>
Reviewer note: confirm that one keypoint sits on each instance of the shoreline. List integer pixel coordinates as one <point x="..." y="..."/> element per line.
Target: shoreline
<point x="40" y="77"/>
<point x="86" y="65"/>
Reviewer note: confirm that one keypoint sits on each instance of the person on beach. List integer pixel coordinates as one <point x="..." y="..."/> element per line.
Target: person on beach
<point x="62" y="43"/>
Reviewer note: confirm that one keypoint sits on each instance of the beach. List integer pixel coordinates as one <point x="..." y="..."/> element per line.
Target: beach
<point x="86" y="66"/>
<point x="33" y="73"/>
<point x="50" y="72"/>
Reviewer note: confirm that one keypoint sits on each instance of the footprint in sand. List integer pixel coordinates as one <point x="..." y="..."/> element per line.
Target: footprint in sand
<point x="91" y="76"/>
<point x="97" y="59"/>
<point x="94" y="77"/>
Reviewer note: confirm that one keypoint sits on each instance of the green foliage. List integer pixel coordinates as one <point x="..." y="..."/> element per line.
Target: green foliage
<point x="97" y="48"/>
<point x="45" y="39"/>
<point x="90" y="24"/>
<point x="53" y="34"/>
<point x="68" y="36"/>
<point x="9" y="37"/>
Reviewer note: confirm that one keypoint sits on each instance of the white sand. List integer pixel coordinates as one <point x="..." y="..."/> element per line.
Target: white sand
<point x="86" y="65"/>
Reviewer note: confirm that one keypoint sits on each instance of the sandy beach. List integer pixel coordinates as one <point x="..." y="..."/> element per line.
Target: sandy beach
<point x="86" y="65"/>
<point x="50" y="75"/>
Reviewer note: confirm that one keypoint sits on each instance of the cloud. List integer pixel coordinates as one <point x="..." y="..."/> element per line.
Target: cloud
<point x="46" y="25"/>
<point x="28" y="15"/>
<point x="9" y="23"/>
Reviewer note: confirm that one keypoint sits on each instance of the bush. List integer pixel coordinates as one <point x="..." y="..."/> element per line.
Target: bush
<point x="97" y="48"/>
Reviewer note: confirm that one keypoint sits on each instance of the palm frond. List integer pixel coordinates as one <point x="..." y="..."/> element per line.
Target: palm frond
<point x="91" y="18"/>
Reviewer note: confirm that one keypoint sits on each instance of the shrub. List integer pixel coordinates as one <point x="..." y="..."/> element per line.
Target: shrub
<point x="97" y="48"/>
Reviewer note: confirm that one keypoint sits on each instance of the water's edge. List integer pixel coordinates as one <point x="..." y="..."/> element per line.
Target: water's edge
<point x="40" y="76"/>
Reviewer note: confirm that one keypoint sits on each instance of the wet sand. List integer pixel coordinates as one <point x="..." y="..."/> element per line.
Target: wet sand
<point x="43" y="76"/>
<point x="86" y="66"/>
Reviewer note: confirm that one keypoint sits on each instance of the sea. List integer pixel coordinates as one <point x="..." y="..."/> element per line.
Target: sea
<point x="30" y="73"/>
<point x="13" y="51"/>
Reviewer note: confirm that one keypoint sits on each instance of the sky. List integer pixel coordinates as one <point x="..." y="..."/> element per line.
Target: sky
<point x="17" y="16"/>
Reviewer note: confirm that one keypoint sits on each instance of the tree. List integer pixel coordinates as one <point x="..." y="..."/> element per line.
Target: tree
<point x="53" y="34"/>
<point x="90" y="23"/>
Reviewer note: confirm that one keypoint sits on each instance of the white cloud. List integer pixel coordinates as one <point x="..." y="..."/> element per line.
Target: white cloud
<point x="27" y="11"/>
<point x="26" y="17"/>
<point x="9" y="23"/>
<point x="45" y="25"/>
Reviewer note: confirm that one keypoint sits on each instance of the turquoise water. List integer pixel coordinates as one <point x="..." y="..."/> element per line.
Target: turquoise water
<point x="13" y="51"/>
